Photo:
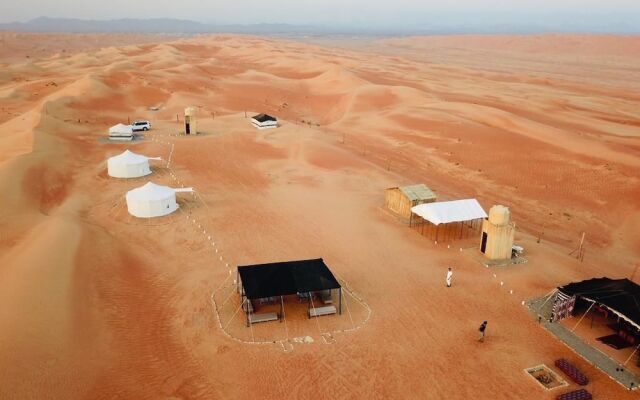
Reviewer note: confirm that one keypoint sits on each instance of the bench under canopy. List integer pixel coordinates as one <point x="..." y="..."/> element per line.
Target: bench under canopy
<point x="285" y="278"/>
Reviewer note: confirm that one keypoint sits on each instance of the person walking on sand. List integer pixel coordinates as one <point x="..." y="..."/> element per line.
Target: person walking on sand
<point x="483" y="327"/>
<point x="449" y="277"/>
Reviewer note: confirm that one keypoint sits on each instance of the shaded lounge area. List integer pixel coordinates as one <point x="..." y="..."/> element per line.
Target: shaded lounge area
<point x="262" y="286"/>
<point x="600" y="319"/>
<point x="448" y="220"/>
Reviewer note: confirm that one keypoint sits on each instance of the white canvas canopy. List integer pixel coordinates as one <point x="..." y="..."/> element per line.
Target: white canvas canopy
<point x="129" y="165"/>
<point x="444" y="212"/>
<point x="153" y="200"/>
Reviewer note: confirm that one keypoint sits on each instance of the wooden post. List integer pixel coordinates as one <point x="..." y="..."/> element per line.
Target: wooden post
<point x="540" y="234"/>
<point x="177" y="119"/>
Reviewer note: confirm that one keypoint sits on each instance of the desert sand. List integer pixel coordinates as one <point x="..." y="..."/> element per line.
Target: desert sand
<point x="96" y="304"/>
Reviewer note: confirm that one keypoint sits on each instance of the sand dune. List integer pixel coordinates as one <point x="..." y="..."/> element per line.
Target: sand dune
<point x="98" y="304"/>
<point x="547" y="44"/>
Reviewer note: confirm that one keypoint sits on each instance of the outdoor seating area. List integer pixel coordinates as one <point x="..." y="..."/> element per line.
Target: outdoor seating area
<point x="448" y="220"/>
<point x="265" y="286"/>
<point x="611" y="306"/>
<point x="580" y="394"/>
<point x="572" y="372"/>
<point x="594" y="317"/>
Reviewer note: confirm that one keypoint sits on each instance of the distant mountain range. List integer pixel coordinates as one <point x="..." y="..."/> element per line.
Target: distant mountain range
<point x="471" y="25"/>
<point x="155" y="25"/>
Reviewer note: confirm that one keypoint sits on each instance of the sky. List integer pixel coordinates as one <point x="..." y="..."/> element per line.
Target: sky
<point x="363" y="13"/>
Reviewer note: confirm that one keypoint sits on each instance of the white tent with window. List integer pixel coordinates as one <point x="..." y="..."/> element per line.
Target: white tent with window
<point x="153" y="200"/>
<point x="121" y="132"/>
<point x="129" y="165"/>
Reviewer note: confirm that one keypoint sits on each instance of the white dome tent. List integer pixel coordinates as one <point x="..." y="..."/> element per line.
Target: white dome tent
<point x="153" y="200"/>
<point x="129" y="165"/>
<point x="121" y="132"/>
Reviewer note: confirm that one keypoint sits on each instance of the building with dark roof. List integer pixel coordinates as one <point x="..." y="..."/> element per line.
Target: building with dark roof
<point x="264" y="121"/>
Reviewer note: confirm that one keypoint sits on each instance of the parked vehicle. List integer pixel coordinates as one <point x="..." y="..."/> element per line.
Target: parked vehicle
<point x="138" y="126"/>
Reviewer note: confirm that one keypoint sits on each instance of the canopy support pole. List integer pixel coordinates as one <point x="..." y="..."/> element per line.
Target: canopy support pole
<point x="281" y="309"/>
<point x="248" y="313"/>
<point x="634" y="352"/>
<point x="340" y="301"/>
<point x="549" y="295"/>
<point x="583" y="315"/>
<point x="437" y="228"/>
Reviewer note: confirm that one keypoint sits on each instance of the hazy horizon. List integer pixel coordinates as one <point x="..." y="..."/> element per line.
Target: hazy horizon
<point x="359" y="14"/>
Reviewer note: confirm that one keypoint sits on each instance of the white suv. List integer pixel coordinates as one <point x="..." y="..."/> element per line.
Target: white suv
<point x="141" y="126"/>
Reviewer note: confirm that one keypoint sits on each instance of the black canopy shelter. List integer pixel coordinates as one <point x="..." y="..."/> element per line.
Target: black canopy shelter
<point x="264" y="118"/>
<point x="286" y="278"/>
<point x="621" y="296"/>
